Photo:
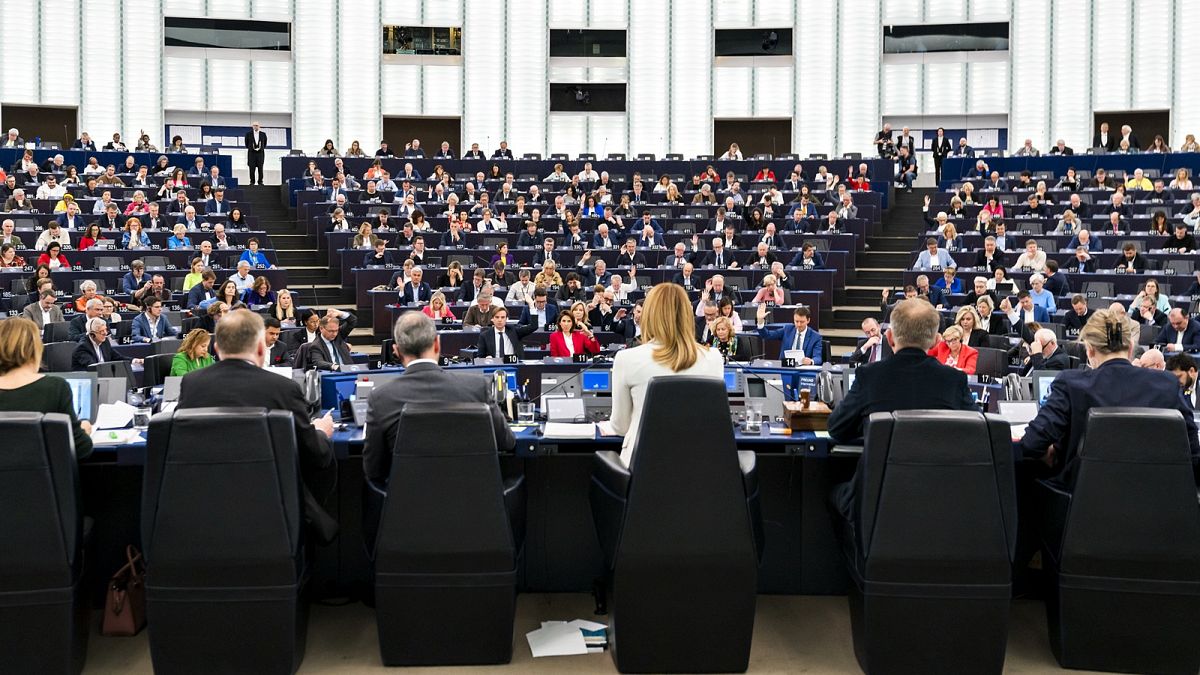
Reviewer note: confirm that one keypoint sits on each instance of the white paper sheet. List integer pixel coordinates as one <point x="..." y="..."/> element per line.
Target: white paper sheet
<point x="114" y="415"/>
<point x="562" y="430"/>
<point x="556" y="639"/>
<point x="116" y="436"/>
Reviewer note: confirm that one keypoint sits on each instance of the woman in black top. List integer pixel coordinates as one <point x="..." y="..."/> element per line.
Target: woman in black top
<point x="22" y="388"/>
<point x="968" y="320"/>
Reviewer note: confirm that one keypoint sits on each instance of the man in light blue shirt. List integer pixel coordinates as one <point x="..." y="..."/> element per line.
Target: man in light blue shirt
<point x="934" y="258"/>
<point x="242" y="279"/>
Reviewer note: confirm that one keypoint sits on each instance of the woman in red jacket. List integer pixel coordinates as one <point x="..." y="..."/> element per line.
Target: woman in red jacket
<point x="53" y="258"/>
<point x="571" y="339"/>
<point x="950" y="351"/>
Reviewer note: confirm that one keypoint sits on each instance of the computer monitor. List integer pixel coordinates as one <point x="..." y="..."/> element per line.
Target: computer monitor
<point x="110" y="390"/>
<point x="734" y="383"/>
<point x="121" y="369"/>
<point x="83" y="393"/>
<point x="171" y="387"/>
<point x="597" y="382"/>
<point x="1042" y="382"/>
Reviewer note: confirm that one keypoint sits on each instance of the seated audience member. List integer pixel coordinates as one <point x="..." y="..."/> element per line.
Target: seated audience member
<point x="1032" y="258"/>
<point x="571" y="339"/>
<point x="1131" y="262"/>
<point x="1152" y="359"/>
<point x="808" y="258"/>
<point x="1039" y="294"/>
<point x="1025" y="312"/>
<point x="95" y="347"/>
<point x="949" y="283"/>
<point x="979" y="288"/>
<point x="480" y="313"/>
<point x="796" y="337"/>
<point x="967" y="318"/>
<point x="193" y="353"/>
<point x="990" y="257"/>
<point x="499" y="340"/>
<point x="1183" y="367"/>
<point x="909" y="379"/>
<point x="24" y="389"/>
<point x="934" y="257"/>
<point x="1181" y="334"/>
<point x="951" y="351"/>
<point x="1054" y="436"/>
<point x="277" y="349"/>
<point x="1045" y="353"/>
<point x="44" y="311"/>
<point x="150" y="325"/>
<point x="668" y="348"/>
<point x="1075" y="319"/>
<point x="78" y="327"/>
<point x="239" y="380"/>
<point x="330" y="351"/>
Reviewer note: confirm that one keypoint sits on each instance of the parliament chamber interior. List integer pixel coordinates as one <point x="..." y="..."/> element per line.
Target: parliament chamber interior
<point x="578" y="338"/>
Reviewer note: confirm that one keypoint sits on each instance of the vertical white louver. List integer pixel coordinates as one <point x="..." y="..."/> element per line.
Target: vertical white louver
<point x="1185" y="114"/>
<point x="897" y="11"/>
<point x="486" y="102"/>
<point x="692" y="91"/>
<point x="360" y="43"/>
<point x="1152" y="55"/>
<point x="229" y="85"/>
<point x="273" y="10"/>
<point x="731" y="91"/>
<point x="902" y="91"/>
<point x="228" y="9"/>
<point x="527" y="44"/>
<point x="987" y="91"/>
<point x="944" y="90"/>
<point x="100" y="105"/>
<point x="732" y="14"/>
<point x="140" y="57"/>
<point x="774" y="13"/>
<point x="1070" y="109"/>
<point x="945" y="11"/>
<point x="184" y="88"/>
<point x="567" y="132"/>
<point x="606" y="15"/>
<point x="443" y="93"/>
<point x="401" y="88"/>
<point x="1110" y="66"/>
<point x="773" y="91"/>
<point x="272" y="87"/>
<point x="652" y="80"/>
<point x="606" y="133"/>
<point x="857" y="113"/>
<point x="315" y="116"/>
<point x="442" y="12"/>
<point x="400" y="14"/>
<point x="59" y="58"/>
<point x="991" y="10"/>
<point x="815" y="65"/>
<point x="569" y="14"/>
<point x="1031" y="74"/>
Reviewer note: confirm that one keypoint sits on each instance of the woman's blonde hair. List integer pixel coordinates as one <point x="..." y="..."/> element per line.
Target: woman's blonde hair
<point x="20" y="343"/>
<point x="723" y="321"/>
<point x="968" y="309"/>
<point x="193" y="340"/>
<point x="950" y="232"/>
<point x="1107" y="332"/>
<point x="668" y="319"/>
<point x="586" y="320"/>
<point x="952" y="333"/>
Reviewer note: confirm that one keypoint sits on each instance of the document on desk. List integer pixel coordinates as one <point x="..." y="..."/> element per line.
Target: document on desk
<point x="116" y="436"/>
<point x="556" y="639"/>
<point x="569" y="431"/>
<point x="114" y="415"/>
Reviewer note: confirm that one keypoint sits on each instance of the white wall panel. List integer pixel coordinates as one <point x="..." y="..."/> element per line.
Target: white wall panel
<point x="272" y="10"/>
<point x="944" y="90"/>
<point x="732" y="14"/>
<point x="485" y="96"/>
<point x="692" y="95"/>
<point x="359" y="45"/>
<point x="607" y="15"/>
<point x="228" y="9"/>
<point x="988" y="10"/>
<point x="606" y="133"/>
<point x="183" y="7"/>
<point x="569" y="14"/>
<point x="401" y="89"/>
<point x="1152" y="55"/>
<point x="987" y="88"/>
<point x="443" y="92"/>
<point x="902" y="88"/>
<point x="314" y="76"/>
<point x="650" y="84"/>
<point x="731" y="91"/>
<point x="100" y="109"/>
<point x="858" y="113"/>
<point x="774" y="13"/>
<point x="527" y="44"/>
<point x="568" y="133"/>
<point x="271" y="86"/>
<point x="567" y="73"/>
<point x="772" y="92"/>
<point x="140" y="59"/>
<point x="442" y="12"/>
<point x="1111" y="61"/>
<point x="1031" y="75"/>
<point x="812" y="127"/>
<point x="945" y="11"/>
<point x="898" y="11"/>
<point x="59" y="73"/>
<point x="184" y="86"/>
<point x="1070" y="111"/>
<point x="1185" y="115"/>
<point x="400" y="14"/>
<point x="228" y="85"/>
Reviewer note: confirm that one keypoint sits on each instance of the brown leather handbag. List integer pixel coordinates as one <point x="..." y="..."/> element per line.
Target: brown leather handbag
<point x="125" y="602"/>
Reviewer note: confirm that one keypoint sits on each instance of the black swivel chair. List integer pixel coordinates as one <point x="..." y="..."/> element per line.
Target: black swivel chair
<point x="446" y="552"/>
<point x="222" y="529"/>
<point x="930" y="543"/>
<point x="43" y="611"/>
<point x="1122" y="550"/>
<point x="155" y="369"/>
<point x="678" y="530"/>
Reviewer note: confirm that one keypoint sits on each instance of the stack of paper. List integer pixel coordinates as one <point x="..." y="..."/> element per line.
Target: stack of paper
<point x="568" y="638"/>
<point x="114" y="415"/>
<point x="569" y="431"/>
<point x="116" y="437"/>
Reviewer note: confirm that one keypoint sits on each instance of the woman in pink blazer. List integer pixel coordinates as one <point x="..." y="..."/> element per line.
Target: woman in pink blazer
<point x="571" y="339"/>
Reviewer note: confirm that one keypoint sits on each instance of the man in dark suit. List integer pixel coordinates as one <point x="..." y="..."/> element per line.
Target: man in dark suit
<point x="94" y="347"/>
<point x="474" y="152"/>
<point x="629" y="255"/>
<point x="539" y="313"/>
<point x="1181" y="334"/>
<point x="329" y="351"/>
<point x="417" y="346"/>
<point x="277" y="349"/>
<point x="414" y="289"/>
<point x="1045" y="353"/>
<point x="798" y="336"/>
<point x="910" y="379"/>
<point x="256" y="145"/>
<point x="238" y="380"/>
<point x="874" y="348"/>
<point x="1103" y="139"/>
<point x="941" y="147"/>
<point x="502" y="152"/>
<point x="499" y="340"/>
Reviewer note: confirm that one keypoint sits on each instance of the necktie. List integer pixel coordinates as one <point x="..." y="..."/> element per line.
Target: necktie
<point x="796" y="341"/>
<point x="720" y="259"/>
<point x="499" y="343"/>
<point x="875" y="351"/>
<point x="333" y="350"/>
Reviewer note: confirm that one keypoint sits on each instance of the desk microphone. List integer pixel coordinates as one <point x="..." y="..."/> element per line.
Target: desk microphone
<point x="595" y="361"/>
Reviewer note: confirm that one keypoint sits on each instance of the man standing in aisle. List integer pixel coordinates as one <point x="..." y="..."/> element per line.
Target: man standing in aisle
<point x="256" y="145"/>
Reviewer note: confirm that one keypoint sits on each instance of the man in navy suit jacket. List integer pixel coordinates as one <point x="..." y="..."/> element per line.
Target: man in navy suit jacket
<point x="415" y="290"/>
<point x="798" y="335"/>
<point x="538" y="314"/>
<point x="1017" y="316"/>
<point x="1182" y="333"/>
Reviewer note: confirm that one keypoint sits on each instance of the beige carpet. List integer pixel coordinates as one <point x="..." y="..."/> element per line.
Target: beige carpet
<point x="792" y="634"/>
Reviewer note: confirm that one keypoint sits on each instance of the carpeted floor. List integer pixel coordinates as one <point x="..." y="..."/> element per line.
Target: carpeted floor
<point x="792" y="634"/>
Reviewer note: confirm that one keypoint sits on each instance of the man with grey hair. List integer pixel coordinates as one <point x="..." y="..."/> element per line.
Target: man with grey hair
<point x="480" y="313"/>
<point x="95" y="347"/>
<point x="239" y="380"/>
<point x="78" y="327"/>
<point x="242" y="278"/>
<point x="1191" y="216"/>
<point x="1152" y="359"/>
<point x="1045" y="353"/>
<point x="417" y="345"/>
<point x="910" y="379"/>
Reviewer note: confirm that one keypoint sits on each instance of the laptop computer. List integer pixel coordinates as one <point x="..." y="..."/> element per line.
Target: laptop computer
<point x="171" y="386"/>
<point x="1018" y="414"/>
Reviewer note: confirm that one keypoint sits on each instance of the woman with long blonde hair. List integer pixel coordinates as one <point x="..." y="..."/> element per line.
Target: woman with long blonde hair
<point x="668" y="348"/>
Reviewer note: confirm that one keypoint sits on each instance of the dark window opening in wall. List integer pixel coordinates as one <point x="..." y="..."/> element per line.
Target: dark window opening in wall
<point x="589" y="43"/>
<point x="947" y="37"/>
<point x="587" y="97"/>
<point x="754" y="42"/>
<point x="227" y="34"/>
<point x="425" y="40"/>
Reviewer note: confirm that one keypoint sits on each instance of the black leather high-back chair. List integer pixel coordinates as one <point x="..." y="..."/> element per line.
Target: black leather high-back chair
<point x="446" y="552"/>
<point x="56" y="356"/>
<point x="155" y="369"/>
<point x="931" y="543"/>
<point x="43" y="611"/>
<point x="1123" y="548"/>
<point x="222" y="530"/>
<point x="677" y="529"/>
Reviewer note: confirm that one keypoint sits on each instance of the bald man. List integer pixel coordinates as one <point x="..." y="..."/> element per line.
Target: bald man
<point x="1045" y="353"/>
